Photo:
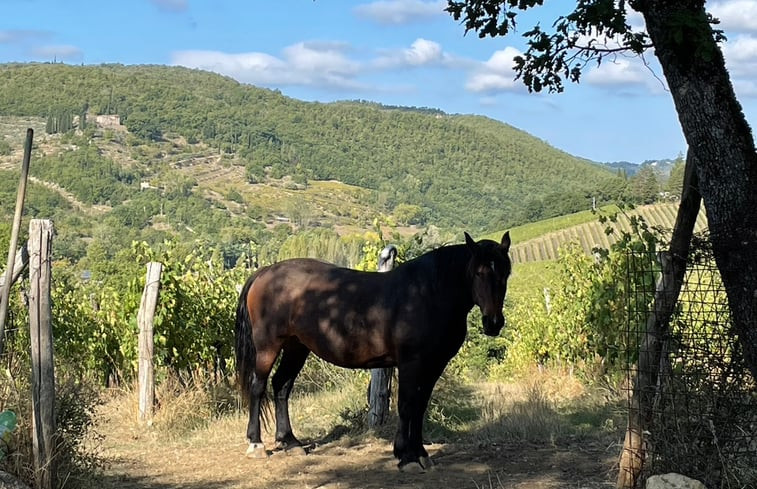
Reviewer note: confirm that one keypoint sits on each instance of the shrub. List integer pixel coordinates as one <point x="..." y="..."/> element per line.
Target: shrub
<point x="77" y="449"/>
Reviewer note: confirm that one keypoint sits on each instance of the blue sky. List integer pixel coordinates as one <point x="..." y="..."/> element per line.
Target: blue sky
<point x="397" y="52"/>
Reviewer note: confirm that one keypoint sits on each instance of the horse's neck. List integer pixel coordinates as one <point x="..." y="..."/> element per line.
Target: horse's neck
<point x="450" y="269"/>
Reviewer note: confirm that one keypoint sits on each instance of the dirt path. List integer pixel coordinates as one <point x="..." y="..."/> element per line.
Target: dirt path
<point x="13" y="162"/>
<point x="349" y="463"/>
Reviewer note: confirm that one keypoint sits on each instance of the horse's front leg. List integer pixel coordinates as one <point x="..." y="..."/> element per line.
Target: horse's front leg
<point x="424" y="390"/>
<point x="292" y="361"/>
<point x="415" y="387"/>
<point x="407" y="442"/>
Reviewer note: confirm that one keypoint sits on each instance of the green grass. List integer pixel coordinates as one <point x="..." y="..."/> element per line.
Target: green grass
<point x="531" y="278"/>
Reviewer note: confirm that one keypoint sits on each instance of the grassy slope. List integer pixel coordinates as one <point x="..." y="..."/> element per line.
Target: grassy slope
<point x="541" y="241"/>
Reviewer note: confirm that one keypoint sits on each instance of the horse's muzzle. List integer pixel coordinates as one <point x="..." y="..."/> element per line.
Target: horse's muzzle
<point x="493" y="324"/>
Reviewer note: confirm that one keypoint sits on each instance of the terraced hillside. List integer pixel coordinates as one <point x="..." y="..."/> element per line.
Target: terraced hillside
<point x="592" y="234"/>
<point x="425" y="166"/>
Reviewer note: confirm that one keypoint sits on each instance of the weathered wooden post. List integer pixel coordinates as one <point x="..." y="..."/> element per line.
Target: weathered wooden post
<point x="41" y="335"/>
<point x="380" y="386"/>
<point x="20" y="195"/>
<point x="145" y="319"/>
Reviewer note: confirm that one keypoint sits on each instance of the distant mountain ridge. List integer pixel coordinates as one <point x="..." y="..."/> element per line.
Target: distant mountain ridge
<point x="662" y="166"/>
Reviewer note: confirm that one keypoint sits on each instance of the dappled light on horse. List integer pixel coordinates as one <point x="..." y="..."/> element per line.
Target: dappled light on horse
<point x="413" y="317"/>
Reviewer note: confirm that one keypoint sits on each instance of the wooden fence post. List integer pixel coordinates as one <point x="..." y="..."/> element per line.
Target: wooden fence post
<point x="380" y="386"/>
<point x="20" y="195"/>
<point x="145" y="319"/>
<point x="41" y="335"/>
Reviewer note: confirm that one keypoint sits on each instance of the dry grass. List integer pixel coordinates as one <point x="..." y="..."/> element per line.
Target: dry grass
<point x="545" y="406"/>
<point x="491" y="435"/>
<point x="531" y="410"/>
<point x="478" y="431"/>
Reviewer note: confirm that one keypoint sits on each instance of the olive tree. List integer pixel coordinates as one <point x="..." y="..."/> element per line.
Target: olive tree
<point x="681" y="34"/>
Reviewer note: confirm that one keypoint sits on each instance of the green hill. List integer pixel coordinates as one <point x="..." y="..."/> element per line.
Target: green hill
<point x="422" y="165"/>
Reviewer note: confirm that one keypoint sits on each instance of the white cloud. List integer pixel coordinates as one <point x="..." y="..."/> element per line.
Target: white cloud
<point x="421" y="53"/>
<point x="741" y="56"/>
<point x="736" y="15"/>
<point x="745" y="88"/>
<point x="496" y="74"/>
<point x="617" y="72"/>
<point x="59" y="52"/>
<point x="635" y="19"/>
<point x="320" y="58"/>
<point x="320" y="64"/>
<point x="390" y="12"/>
<point x="235" y="65"/>
<point x="20" y="35"/>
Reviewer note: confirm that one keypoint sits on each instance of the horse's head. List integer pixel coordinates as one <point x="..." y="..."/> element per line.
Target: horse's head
<point x="488" y="271"/>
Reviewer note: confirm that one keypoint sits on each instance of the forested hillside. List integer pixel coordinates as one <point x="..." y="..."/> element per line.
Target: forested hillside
<point x="453" y="171"/>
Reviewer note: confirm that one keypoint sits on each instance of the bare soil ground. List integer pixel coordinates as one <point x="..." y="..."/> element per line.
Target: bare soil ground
<point x="145" y="460"/>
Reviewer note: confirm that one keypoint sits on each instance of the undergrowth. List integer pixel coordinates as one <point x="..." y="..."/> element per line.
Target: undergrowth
<point x="77" y="450"/>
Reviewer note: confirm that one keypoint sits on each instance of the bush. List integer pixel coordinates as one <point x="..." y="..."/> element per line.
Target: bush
<point x="77" y="450"/>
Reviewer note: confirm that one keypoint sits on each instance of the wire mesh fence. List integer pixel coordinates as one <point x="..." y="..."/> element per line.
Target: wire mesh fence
<point x="703" y="419"/>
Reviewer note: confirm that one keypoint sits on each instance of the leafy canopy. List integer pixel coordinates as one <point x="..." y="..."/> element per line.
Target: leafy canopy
<point x="594" y="30"/>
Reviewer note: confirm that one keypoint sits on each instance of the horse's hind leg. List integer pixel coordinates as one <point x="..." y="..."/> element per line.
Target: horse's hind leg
<point x="263" y="364"/>
<point x="257" y="397"/>
<point x="292" y="360"/>
<point x="406" y="406"/>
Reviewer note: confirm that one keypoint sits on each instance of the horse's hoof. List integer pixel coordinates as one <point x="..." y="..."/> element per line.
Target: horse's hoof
<point x="427" y="463"/>
<point x="411" y="468"/>
<point x="256" y="450"/>
<point x="295" y="451"/>
<point x="293" y="448"/>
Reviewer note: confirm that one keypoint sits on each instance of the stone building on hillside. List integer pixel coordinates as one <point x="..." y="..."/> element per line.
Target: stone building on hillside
<point x="108" y="121"/>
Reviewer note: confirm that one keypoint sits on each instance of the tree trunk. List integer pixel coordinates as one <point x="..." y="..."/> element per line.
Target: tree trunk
<point x="721" y="140"/>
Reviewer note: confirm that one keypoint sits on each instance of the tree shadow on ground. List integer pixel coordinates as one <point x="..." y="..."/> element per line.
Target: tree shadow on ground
<point x="528" y="443"/>
<point x="125" y="481"/>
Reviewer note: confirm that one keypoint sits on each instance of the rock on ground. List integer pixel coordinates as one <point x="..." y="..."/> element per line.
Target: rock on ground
<point x="673" y="481"/>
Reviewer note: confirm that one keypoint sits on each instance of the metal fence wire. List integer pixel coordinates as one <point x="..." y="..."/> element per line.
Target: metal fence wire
<point x="703" y="420"/>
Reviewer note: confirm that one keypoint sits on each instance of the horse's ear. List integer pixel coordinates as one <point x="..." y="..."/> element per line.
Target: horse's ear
<point x="505" y="243"/>
<point x="471" y="244"/>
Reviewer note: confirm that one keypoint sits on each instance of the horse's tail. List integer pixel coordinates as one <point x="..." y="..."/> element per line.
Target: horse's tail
<point x="244" y="347"/>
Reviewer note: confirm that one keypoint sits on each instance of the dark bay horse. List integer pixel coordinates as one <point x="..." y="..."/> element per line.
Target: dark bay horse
<point x="413" y="317"/>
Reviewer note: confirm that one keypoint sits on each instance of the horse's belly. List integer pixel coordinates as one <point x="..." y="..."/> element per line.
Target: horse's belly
<point x="358" y="350"/>
<point x="355" y="358"/>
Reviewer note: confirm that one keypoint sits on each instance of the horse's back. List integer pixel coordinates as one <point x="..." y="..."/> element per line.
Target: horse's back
<point x="342" y="315"/>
